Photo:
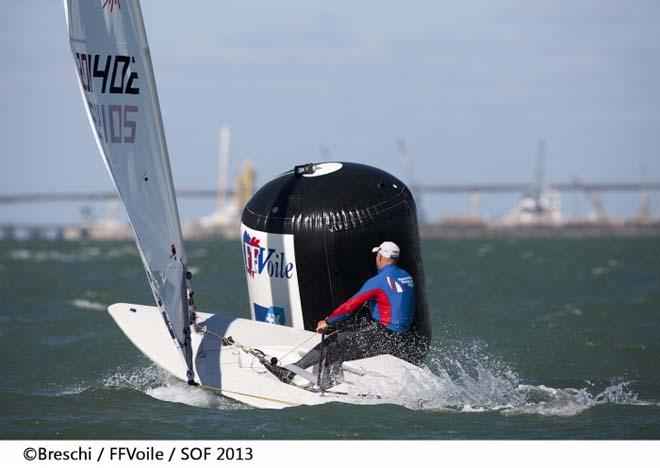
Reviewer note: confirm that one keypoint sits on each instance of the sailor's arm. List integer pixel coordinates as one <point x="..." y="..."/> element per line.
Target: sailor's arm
<point x="368" y="291"/>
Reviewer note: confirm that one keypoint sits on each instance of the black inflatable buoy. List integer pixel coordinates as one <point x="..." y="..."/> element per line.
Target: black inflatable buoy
<point x="307" y="237"/>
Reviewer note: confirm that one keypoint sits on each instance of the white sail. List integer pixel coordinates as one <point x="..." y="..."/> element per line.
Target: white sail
<point x="113" y="63"/>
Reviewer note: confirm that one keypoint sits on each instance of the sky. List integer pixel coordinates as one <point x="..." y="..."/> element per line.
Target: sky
<point x="470" y="86"/>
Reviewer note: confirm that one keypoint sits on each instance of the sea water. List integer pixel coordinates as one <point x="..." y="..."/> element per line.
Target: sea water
<point x="532" y="339"/>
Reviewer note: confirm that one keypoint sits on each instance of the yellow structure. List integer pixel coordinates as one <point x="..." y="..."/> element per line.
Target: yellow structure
<point x="244" y="186"/>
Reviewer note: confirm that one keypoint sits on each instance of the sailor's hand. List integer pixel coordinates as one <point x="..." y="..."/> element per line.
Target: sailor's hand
<point x="322" y="325"/>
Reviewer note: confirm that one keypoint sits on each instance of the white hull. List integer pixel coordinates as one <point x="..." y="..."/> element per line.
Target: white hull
<point x="240" y="376"/>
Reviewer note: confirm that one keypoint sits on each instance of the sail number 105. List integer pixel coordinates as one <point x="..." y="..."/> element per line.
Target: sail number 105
<point x="115" y="123"/>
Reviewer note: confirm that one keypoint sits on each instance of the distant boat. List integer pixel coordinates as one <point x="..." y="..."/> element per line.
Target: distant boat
<point x="544" y="208"/>
<point x="541" y="205"/>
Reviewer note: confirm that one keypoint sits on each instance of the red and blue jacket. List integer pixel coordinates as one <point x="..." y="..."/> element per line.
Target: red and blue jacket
<point x="391" y="296"/>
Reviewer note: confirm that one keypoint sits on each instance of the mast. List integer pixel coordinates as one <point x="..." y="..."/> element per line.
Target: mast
<point x="539" y="180"/>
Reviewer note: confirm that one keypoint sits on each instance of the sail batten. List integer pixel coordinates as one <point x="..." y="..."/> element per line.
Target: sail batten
<point x="116" y="79"/>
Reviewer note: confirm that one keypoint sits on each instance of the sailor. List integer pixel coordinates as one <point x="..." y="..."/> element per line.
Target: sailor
<point x="390" y="295"/>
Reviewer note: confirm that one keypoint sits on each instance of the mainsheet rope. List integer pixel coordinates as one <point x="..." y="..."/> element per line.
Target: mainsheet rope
<point x="229" y="341"/>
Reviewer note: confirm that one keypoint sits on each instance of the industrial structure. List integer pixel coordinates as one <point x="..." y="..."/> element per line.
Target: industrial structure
<point x="537" y="214"/>
<point x="225" y="220"/>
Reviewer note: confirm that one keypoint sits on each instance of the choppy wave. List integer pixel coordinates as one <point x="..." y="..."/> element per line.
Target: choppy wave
<point x="494" y="393"/>
<point x="475" y="382"/>
<point x="484" y="249"/>
<point x="72" y="390"/>
<point x="87" y="304"/>
<point x="62" y="391"/>
<point x="471" y="382"/>
<point x="81" y="254"/>
<point x="150" y="380"/>
<point x="197" y="253"/>
<point x="605" y="269"/>
<point x="159" y="384"/>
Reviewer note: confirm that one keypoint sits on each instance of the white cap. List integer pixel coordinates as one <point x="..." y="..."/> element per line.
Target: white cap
<point x="387" y="249"/>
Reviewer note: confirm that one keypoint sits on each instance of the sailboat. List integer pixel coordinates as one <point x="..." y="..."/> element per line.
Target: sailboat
<point x="212" y="351"/>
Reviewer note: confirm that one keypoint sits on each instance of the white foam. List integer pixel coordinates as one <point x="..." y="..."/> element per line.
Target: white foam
<point x="479" y="383"/>
<point x="72" y="390"/>
<point x="86" y="304"/>
<point x="176" y="391"/>
<point x="39" y="256"/>
<point x="475" y="383"/>
<point x="598" y="271"/>
<point x="484" y="249"/>
<point x="59" y="391"/>
<point x="20" y="254"/>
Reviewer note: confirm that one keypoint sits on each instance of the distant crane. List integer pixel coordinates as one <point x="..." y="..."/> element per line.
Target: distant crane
<point x="644" y="212"/>
<point x="538" y="186"/>
<point x="223" y="169"/>
<point x="407" y="164"/>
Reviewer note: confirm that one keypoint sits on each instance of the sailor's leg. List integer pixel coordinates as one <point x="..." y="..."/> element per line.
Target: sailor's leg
<point x="346" y="345"/>
<point x="312" y="358"/>
<point x="334" y="345"/>
<point x="350" y="345"/>
<point x="366" y="342"/>
<point x="332" y="375"/>
<point x="337" y="350"/>
<point x="285" y="375"/>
